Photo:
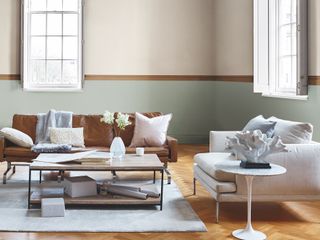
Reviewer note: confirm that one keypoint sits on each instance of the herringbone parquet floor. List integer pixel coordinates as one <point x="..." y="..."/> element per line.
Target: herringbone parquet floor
<point x="280" y="221"/>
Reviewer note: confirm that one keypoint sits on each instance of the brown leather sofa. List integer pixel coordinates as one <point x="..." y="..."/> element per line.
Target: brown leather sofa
<point x="97" y="135"/>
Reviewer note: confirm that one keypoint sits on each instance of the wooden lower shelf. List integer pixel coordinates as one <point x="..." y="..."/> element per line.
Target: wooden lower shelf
<point x="97" y="200"/>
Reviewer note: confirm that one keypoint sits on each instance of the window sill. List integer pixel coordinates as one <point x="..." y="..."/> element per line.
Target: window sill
<point x="52" y="89"/>
<point x="286" y="96"/>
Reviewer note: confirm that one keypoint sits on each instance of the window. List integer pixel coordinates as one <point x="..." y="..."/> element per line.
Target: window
<point x="52" y="45"/>
<point x="280" y="48"/>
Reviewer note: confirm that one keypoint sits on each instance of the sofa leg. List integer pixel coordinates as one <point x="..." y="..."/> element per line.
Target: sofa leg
<point x="167" y="172"/>
<point x="6" y="172"/>
<point x="217" y="211"/>
<point x="194" y="186"/>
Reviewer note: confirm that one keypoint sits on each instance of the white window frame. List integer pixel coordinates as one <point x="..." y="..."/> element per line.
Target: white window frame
<point x="26" y="55"/>
<point x="266" y="57"/>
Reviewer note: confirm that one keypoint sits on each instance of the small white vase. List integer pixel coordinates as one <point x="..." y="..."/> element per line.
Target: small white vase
<point x="117" y="148"/>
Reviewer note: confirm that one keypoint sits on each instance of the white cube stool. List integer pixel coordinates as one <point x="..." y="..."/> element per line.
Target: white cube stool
<point x="52" y="207"/>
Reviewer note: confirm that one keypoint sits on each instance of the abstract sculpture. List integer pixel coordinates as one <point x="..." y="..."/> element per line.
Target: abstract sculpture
<point x="253" y="147"/>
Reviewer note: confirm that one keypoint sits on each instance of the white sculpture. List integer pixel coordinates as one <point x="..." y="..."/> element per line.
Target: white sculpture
<point x="254" y="146"/>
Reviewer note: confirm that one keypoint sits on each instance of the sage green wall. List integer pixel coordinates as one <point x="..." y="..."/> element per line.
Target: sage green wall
<point x="189" y="101"/>
<point x="235" y="104"/>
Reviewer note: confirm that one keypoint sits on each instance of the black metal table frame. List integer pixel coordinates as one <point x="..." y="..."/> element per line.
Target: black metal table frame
<point x="99" y="170"/>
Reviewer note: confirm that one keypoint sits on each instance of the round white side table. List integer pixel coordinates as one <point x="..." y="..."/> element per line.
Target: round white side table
<point x="234" y="167"/>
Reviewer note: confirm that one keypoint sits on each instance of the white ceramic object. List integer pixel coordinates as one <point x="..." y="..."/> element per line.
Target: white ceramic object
<point x="117" y="148"/>
<point x="140" y="151"/>
<point x="254" y="146"/>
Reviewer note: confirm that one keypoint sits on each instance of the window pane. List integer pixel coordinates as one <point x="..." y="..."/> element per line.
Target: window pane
<point x="285" y="11"/>
<point x="294" y="71"/>
<point x="70" y="71"/>
<point x="38" y="5"/>
<point x="37" y="71"/>
<point x="70" y="5"/>
<point x="285" y="72"/>
<point x="285" y="37"/>
<point x="53" y="71"/>
<point x="54" y="24"/>
<point x="38" y="24"/>
<point x="54" y="5"/>
<point x="54" y="48"/>
<point x="70" y="48"/>
<point x="70" y="24"/>
<point x="38" y="45"/>
<point x="294" y="39"/>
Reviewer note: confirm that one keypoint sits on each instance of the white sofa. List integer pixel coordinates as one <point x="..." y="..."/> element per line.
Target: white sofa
<point x="300" y="183"/>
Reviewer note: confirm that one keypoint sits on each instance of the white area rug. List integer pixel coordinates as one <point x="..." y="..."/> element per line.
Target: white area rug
<point x="176" y="216"/>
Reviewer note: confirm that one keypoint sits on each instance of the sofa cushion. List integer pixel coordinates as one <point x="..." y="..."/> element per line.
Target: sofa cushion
<point x="17" y="137"/>
<point x="150" y="131"/>
<point x="70" y="136"/>
<point x="292" y="132"/>
<point x="96" y="133"/>
<point x="207" y="162"/>
<point x="19" y="152"/>
<point x="217" y="186"/>
<point x="127" y="135"/>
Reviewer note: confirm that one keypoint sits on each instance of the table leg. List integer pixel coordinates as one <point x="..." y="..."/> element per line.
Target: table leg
<point x="249" y="233"/>
<point x="161" y="197"/>
<point x="29" y="189"/>
<point x="40" y="176"/>
<point x="154" y="177"/>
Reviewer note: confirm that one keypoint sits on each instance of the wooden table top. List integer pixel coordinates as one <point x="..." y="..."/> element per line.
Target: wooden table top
<point x="129" y="163"/>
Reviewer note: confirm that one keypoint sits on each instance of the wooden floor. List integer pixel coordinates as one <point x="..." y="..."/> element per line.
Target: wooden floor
<point x="289" y="220"/>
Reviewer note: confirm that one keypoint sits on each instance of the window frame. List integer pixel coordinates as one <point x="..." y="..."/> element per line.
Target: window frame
<point x="26" y="56"/>
<point x="267" y="55"/>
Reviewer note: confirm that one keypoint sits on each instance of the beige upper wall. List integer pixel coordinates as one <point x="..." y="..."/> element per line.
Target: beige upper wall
<point x="208" y="37"/>
<point x="131" y="37"/>
<point x="233" y="28"/>
<point x="9" y="36"/>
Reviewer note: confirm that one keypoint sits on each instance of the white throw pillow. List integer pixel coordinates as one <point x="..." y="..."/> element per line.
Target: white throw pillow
<point x="71" y="136"/>
<point x="17" y="137"/>
<point x="292" y="132"/>
<point x="151" y="132"/>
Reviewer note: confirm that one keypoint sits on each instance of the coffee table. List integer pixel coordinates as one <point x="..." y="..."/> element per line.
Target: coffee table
<point x="131" y="162"/>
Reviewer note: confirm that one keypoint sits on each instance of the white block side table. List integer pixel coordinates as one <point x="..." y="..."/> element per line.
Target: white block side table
<point x="234" y="167"/>
<point x="52" y="207"/>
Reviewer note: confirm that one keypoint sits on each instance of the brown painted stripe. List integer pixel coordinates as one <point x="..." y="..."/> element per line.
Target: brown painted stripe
<point x="91" y="77"/>
<point x="313" y="80"/>
<point x="9" y="77"/>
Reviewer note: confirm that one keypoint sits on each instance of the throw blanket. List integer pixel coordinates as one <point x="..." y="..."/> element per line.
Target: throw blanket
<point x="52" y="119"/>
<point x="51" y="148"/>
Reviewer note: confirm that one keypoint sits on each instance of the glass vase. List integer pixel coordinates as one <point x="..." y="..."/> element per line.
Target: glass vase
<point x="117" y="148"/>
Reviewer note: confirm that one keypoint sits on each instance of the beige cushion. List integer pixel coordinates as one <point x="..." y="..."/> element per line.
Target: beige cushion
<point x="207" y="162"/>
<point x="17" y="137"/>
<point x="219" y="187"/>
<point x="150" y="132"/>
<point x="292" y="132"/>
<point x="72" y="136"/>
